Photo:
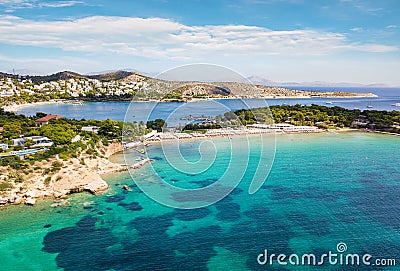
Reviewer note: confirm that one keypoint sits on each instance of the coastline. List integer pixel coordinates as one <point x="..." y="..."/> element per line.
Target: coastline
<point x="14" y="108"/>
<point x="82" y="174"/>
<point x="75" y="177"/>
<point x="17" y="107"/>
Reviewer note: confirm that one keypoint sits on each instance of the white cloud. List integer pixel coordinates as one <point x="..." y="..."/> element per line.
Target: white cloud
<point x="357" y="29"/>
<point x="60" y="4"/>
<point x="12" y="5"/>
<point x="164" y="38"/>
<point x="365" y="7"/>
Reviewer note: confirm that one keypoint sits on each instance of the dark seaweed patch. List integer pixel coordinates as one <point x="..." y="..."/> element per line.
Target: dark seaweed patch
<point x="115" y="198"/>
<point x="228" y="210"/>
<point x="191" y="214"/>
<point x="133" y="206"/>
<point x="316" y="226"/>
<point x="80" y="247"/>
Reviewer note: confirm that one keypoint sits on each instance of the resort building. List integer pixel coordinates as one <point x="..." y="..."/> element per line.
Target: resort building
<point x="46" y="119"/>
<point x="151" y="134"/>
<point x="93" y="129"/>
<point x="38" y="141"/>
<point x="18" y="141"/>
<point x="3" y="146"/>
<point x="284" y="127"/>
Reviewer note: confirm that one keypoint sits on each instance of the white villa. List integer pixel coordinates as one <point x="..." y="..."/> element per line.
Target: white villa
<point x="93" y="129"/>
<point x="39" y="141"/>
<point x="284" y="127"/>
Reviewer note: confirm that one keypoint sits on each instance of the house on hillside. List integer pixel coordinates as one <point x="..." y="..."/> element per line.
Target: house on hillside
<point x="18" y="141"/>
<point x="3" y="146"/>
<point x="46" y="119"/>
<point x="93" y="129"/>
<point x="38" y="141"/>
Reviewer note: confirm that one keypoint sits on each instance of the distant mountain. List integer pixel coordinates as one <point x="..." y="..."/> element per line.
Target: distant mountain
<point x="65" y="75"/>
<point x="257" y="80"/>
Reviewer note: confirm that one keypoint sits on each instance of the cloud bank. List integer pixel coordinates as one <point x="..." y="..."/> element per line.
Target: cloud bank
<point x="165" y="38"/>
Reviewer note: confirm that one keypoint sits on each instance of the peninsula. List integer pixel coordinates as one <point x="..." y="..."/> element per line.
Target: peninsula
<point x="51" y="156"/>
<point x="127" y="86"/>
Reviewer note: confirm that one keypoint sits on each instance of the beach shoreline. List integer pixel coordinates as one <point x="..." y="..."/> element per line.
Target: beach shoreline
<point x="14" y="108"/>
<point x="17" y="107"/>
<point x="75" y="177"/>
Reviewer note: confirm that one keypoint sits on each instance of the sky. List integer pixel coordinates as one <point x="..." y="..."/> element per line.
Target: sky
<point x="281" y="40"/>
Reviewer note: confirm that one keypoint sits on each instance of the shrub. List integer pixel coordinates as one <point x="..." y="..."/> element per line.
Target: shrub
<point x="4" y="186"/>
<point x="47" y="180"/>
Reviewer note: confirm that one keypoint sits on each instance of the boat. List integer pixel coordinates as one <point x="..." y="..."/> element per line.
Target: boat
<point x="396" y="104"/>
<point x="370" y="106"/>
<point x="329" y="103"/>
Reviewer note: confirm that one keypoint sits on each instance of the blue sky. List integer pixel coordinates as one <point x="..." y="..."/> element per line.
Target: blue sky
<point x="281" y="40"/>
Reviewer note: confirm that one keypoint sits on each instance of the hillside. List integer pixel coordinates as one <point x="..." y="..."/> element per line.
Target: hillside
<point x="65" y="75"/>
<point x="125" y="86"/>
<point x="117" y="75"/>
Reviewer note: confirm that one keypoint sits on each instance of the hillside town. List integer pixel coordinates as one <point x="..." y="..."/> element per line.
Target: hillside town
<point x="71" y="88"/>
<point x="122" y="85"/>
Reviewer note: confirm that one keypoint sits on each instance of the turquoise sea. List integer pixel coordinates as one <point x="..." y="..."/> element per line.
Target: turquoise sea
<point x="323" y="189"/>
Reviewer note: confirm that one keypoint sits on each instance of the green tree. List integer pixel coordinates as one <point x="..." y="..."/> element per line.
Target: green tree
<point x="60" y="133"/>
<point x="156" y="124"/>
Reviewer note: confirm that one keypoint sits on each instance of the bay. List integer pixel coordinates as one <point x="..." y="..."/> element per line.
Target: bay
<point x="323" y="189"/>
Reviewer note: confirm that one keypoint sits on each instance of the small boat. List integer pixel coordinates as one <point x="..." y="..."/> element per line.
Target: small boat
<point x="329" y="103"/>
<point x="396" y="104"/>
<point x="370" y="106"/>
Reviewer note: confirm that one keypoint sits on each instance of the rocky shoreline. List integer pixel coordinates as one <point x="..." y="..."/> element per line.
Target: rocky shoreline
<point x="76" y="175"/>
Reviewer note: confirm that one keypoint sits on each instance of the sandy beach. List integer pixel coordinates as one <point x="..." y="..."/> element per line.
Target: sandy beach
<point x="16" y="107"/>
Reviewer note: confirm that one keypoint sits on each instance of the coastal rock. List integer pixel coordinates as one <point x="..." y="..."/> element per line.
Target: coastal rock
<point x="30" y="201"/>
<point x="59" y="194"/>
<point x="14" y="199"/>
<point x="18" y="200"/>
<point x="96" y="187"/>
<point x="30" y="194"/>
<point x="127" y="188"/>
<point x="61" y="204"/>
<point x="3" y="200"/>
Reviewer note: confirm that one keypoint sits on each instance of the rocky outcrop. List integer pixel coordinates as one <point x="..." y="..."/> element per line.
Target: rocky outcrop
<point x="3" y="200"/>
<point x="30" y="201"/>
<point x="74" y="177"/>
<point x="96" y="187"/>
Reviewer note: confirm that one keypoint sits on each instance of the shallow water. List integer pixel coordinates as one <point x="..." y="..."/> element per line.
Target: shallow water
<point x="323" y="189"/>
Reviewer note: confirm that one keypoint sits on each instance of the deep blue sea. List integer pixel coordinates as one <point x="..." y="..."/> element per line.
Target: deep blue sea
<point x="323" y="189"/>
<point x="116" y="110"/>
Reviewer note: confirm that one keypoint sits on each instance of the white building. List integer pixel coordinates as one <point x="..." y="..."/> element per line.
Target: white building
<point x="38" y="141"/>
<point x="284" y="127"/>
<point x="3" y="146"/>
<point x="93" y="129"/>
